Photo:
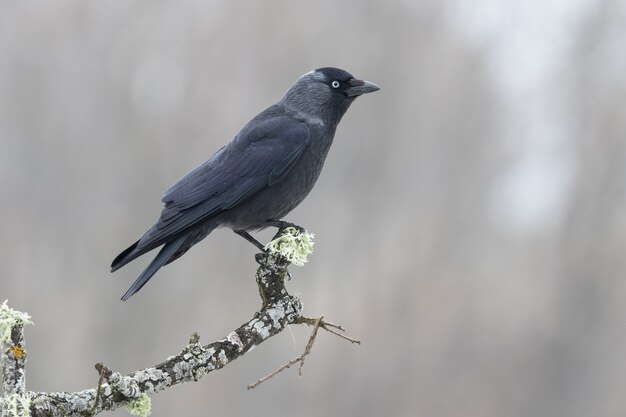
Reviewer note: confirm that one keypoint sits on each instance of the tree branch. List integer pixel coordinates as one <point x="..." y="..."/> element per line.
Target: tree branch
<point x="114" y="390"/>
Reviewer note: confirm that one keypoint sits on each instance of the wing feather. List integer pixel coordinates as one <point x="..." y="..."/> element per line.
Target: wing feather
<point x="259" y="156"/>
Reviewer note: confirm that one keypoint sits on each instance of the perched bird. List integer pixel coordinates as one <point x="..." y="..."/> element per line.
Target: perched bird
<point x="256" y="179"/>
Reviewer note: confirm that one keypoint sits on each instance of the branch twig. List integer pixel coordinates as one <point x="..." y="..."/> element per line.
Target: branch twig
<point x="317" y="323"/>
<point x="101" y="370"/>
<point x="329" y="327"/>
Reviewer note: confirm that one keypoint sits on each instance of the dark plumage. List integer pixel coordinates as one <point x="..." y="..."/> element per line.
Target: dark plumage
<point x="260" y="176"/>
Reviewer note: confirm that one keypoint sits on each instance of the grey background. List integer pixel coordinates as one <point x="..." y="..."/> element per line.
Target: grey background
<point x="470" y="219"/>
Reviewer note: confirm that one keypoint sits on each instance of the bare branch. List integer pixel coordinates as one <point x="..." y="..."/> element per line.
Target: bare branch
<point x="328" y="327"/>
<point x="300" y="358"/>
<point x="317" y="323"/>
<point x="101" y="370"/>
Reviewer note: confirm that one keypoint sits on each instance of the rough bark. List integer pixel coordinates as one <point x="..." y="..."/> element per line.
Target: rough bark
<point x="278" y="310"/>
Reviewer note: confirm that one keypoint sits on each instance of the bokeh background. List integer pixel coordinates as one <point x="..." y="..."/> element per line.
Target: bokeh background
<point x="470" y="220"/>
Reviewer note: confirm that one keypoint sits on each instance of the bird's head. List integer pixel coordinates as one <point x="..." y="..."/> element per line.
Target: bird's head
<point x="326" y="92"/>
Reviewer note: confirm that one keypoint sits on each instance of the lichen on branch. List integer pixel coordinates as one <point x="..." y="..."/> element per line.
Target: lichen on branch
<point x="293" y="245"/>
<point x="279" y="309"/>
<point x="9" y="319"/>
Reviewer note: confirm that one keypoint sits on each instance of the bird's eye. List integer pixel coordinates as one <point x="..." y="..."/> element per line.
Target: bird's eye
<point x="335" y="84"/>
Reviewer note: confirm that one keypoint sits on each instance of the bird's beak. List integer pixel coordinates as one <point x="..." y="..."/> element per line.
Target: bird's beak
<point x="359" y="87"/>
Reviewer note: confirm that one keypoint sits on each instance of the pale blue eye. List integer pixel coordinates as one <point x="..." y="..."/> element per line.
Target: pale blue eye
<point x="334" y="84"/>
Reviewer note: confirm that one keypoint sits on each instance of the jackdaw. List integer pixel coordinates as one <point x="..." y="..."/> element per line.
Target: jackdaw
<point x="256" y="179"/>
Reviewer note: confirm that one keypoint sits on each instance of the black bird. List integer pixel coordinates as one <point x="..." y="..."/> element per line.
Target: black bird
<point x="255" y="180"/>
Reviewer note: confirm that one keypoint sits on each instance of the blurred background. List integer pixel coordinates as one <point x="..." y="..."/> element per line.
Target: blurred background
<point x="470" y="221"/>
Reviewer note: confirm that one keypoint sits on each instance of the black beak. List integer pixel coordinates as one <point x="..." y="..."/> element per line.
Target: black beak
<point x="359" y="87"/>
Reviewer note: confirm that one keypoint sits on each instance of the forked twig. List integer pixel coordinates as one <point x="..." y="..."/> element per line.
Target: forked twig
<point x="329" y="327"/>
<point x="317" y="323"/>
<point x="300" y="358"/>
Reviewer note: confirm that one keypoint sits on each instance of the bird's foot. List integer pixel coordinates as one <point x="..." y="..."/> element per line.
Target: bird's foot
<point x="291" y="242"/>
<point x="282" y="225"/>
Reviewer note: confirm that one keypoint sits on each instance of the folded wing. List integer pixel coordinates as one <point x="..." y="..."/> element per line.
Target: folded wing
<point x="259" y="156"/>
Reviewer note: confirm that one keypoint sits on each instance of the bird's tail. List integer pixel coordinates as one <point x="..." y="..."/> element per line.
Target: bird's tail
<point x="125" y="257"/>
<point x="166" y="252"/>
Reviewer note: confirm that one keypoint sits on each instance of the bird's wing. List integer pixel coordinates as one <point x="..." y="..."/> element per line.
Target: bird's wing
<point x="261" y="155"/>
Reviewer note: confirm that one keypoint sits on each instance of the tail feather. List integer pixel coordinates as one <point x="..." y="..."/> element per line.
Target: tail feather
<point x="168" y="250"/>
<point x="124" y="257"/>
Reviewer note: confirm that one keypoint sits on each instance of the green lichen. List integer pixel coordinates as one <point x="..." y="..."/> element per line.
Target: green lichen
<point x="17" y="405"/>
<point x="140" y="406"/>
<point x="10" y="318"/>
<point x="292" y="245"/>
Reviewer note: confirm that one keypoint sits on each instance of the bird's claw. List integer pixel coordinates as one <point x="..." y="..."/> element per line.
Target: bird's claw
<point x="282" y="225"/>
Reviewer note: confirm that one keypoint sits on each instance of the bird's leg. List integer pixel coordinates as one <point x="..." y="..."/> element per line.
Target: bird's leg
<point x="250" y="239"/>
